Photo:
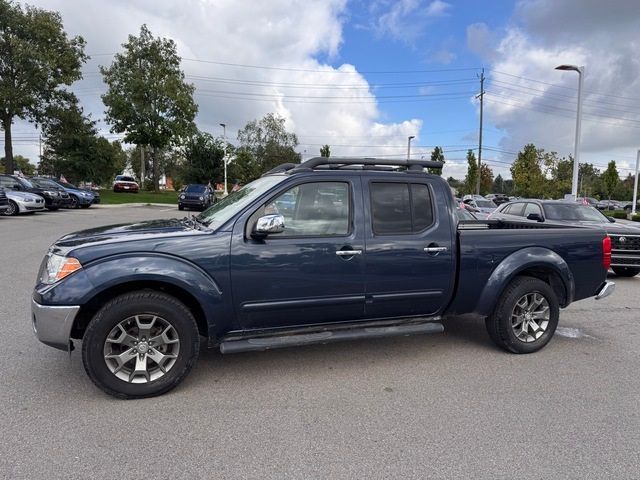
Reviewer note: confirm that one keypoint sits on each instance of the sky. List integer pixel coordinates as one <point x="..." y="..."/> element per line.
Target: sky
<point x="363" y="76"/>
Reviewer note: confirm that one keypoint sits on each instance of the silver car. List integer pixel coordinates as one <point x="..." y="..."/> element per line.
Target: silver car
<point x="23" y="202"/>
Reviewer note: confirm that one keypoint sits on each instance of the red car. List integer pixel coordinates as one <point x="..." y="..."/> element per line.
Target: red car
<point x="123" y="183"/>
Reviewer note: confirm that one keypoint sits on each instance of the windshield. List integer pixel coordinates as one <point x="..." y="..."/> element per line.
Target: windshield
<point x="195" y="188"/>
<point x="66" y="185"/>
<point x="45" y="182"/>
<point x="220" y="212"/>
<point x="24" y="182"/>
<point x="578" y="213"/>
<point x="485" y="204"/>
<point x="122" y="178"/>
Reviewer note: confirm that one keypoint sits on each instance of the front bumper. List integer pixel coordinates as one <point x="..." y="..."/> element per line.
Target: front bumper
<point x="25" y="206"/>
<point x="606" y="290"/>
<point x="52" y="324"/>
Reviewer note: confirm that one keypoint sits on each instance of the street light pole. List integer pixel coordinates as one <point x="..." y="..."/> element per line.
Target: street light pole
<point x="576" y="153"/>
<point x="411" y="137"/>
<point x="635" y="186"/>
<point x="224" y="158"/>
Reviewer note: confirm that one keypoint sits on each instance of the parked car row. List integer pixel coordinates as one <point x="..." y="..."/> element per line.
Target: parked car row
<point x="29" y="195"/>
<point x="625" y="238"/>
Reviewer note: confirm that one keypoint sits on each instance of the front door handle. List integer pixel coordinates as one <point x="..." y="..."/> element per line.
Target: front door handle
<point x="435" y="249"/>
<point x="348" y="253"/>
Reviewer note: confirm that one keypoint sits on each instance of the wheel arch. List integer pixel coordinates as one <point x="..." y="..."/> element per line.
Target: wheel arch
<point x="90" y="308"/>
<point x="536" y="262"/>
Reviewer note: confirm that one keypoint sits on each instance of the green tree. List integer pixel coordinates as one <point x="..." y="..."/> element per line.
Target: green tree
<point x="589" y="181"/>
<point x="498" y="185"/>
<point x="526" y="171"/>
<point x="203" y="159"/>
<point x="437" y="155"/>
<point x="147" y="97"/>
<point x="559" y="173"/>
<point x="72" y="146"/>
<point x="325" y="151"/>
<point x="19" y="163"/>
<point x="610" y="179"/>
<point x="244" y="167"/>
<point x="36" y="59"/>
<point x="486" y="179"/>
<point x="265" y="144"/>
<point x="471" y="179"/>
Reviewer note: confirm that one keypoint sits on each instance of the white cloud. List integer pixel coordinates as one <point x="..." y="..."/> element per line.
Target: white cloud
<point x="406" y="20"/>
<point x="286" y="34"/>
<point x="530" y="109"/>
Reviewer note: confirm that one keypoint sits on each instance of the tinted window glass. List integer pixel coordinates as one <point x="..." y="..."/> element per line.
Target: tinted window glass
<point x="580" y="213"/>
<point x="532" y="208"/>
<point x="390" y="208"/>
<point x="313" y="209"/>
<point x="421" y="203"/>
<point x="194" y="188"/>
<point x="514" y="209"/>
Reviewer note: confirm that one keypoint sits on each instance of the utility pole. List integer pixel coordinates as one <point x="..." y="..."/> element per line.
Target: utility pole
<point x="224" y="158"/>
<point x="635" y="186"/>
<point x="142" y="167"/>
<point x="409" y="138"/>
<point x="481" y="97"/>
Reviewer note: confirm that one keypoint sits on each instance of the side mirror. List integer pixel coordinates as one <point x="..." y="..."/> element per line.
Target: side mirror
<point x="268" y="224"/>
<point x="612" y="220"/>
<point x="535" y="216"/>
<point x="17" y="186"/>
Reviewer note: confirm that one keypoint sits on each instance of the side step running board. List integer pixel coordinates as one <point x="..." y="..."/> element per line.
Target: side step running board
<point x="294" y="340"/>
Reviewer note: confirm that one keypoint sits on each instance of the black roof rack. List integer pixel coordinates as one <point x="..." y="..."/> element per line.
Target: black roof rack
<point x="340" y="162"/>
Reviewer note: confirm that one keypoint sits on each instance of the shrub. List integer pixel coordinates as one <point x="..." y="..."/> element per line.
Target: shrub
<point x="636" y="217"/>
<point x="620" y="215"/>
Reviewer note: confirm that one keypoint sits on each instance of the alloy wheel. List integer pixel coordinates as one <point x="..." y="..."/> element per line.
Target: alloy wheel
<point x="141" y="348"/>
<point x="530" y="317"/>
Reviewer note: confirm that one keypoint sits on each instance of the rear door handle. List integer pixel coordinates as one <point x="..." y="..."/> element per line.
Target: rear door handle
<point x="348" y="253"/>
<point x="435" y="249"/>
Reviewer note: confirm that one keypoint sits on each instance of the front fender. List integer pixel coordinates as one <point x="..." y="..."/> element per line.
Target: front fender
<point x="105" y="273"/>
<point x="518" y="262"/>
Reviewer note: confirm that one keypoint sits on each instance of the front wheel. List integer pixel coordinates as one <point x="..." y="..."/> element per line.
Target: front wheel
<point x="626" y="271"/>
<point x="74" y="202"/>
<point x="12" y="210"/>
<point x="140" y="344"/>
<point x="525" y="317"/>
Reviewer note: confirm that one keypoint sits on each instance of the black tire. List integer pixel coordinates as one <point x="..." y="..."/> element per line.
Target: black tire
<point x="499" y="324"/>
<point x="145" y="302"/>
<point x="180" y="207"/>
<point x="626" y="271"/>
<point x="74" y="202"/>
<point x="52" y="209"/>
<point x="85" y="206"/>
<point x="12" y="210"/>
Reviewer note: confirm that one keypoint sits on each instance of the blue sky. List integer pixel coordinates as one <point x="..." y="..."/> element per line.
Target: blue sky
<point x="314" y="61"/>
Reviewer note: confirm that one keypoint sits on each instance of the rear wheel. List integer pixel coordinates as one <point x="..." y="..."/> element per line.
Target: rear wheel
<point x="140" y="344"/>
<point x="626" y="271"/>
<point x="525" y="317"/>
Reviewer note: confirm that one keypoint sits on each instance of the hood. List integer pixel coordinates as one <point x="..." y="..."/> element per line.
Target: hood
<point x="148" y="230"/>
<point x="17" y="195"/>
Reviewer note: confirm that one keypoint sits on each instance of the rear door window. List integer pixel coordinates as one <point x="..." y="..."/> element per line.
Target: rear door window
<point x="400" y="208"/>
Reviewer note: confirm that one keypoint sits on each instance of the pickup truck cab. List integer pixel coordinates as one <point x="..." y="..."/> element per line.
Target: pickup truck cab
<point x="328" y="250"/>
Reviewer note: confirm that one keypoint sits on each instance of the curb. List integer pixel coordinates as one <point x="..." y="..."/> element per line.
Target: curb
<point x="142" y="204"/>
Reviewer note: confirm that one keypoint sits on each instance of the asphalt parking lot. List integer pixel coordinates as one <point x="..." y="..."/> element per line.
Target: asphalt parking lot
<point x="438" y="406"/>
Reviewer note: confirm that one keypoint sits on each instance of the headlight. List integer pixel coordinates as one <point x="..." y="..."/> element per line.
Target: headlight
<point x="182" y="197"/>
<point x="201" y="198"/>
<point x="51" y="193"/>
<point x="59" y="267"/>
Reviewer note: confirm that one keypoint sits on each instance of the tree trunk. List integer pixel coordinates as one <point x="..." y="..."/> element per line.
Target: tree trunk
<point x="156" y="177"/>
<point x="8" y="146"/>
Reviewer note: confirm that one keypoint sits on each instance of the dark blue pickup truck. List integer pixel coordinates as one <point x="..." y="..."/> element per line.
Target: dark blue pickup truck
<point x="327" y="250"/>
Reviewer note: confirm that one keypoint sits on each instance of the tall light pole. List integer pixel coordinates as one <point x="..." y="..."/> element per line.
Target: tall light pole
<point x="409" y="138"/>
<point x="635" y="186"/>
<point x="224" y="158"/>
<point x="576" y="152"/>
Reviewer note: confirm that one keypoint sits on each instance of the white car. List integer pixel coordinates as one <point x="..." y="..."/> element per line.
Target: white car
<point x="23" y="202"/>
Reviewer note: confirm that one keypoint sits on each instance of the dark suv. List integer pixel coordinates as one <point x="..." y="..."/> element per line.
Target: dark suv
<point x="196" y="196"/>
<point x="54" y="198"/>
<point x="4" y="201"/>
